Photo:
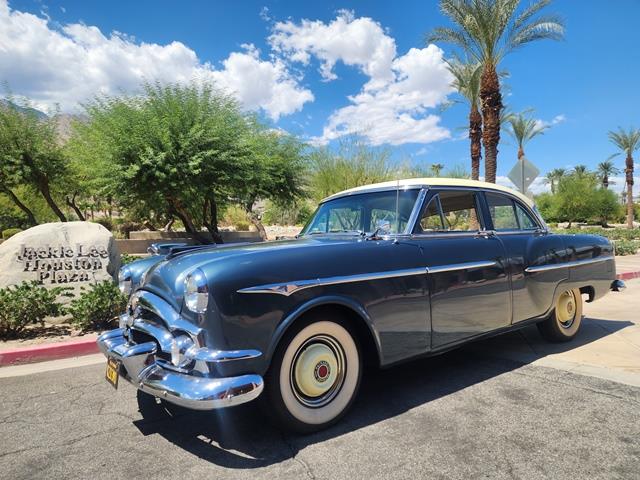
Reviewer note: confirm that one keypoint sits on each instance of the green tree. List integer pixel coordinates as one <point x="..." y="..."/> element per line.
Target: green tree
<point x="523" y="128"/>
<point x="575" y="198"/>
<point x="178" y="149"/>
<point x="30" y="154"/>
<point x="581" y="171"/>
<point x="605" y="205"/>
<point x="607" y="169"/>
<point x="487" y="30"/>
<point x="467" y="83"/>
<point x="628" y="141"/>
<point x="274" y="168"/>
<point x="351" y="164"/>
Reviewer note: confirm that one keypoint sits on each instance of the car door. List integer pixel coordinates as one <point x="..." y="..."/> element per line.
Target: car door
<point x="529" y="249"/>
<point x="468" y="282"/>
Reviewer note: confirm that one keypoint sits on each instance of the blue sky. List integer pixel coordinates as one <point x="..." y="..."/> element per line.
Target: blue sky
<point x="585" y="85"/>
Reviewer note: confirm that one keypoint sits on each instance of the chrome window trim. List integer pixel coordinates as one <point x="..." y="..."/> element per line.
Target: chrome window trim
<point x="573" y="263"/>
<point x="415" y="213"/>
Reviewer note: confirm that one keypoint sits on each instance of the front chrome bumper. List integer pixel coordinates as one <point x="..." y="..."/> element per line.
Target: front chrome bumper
<point x="142" y="369"/>
<point x="162" y="354"/>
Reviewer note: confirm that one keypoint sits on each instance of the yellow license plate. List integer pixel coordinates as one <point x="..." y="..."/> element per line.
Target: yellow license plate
<point x="112" y="373"/>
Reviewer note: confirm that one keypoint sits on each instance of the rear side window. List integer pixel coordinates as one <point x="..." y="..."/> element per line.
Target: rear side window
<point x="451" y="211"/>
<point x="507" y="214"/>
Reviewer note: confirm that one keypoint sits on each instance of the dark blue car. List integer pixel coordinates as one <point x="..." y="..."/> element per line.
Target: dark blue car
<point x="381" y="274"/>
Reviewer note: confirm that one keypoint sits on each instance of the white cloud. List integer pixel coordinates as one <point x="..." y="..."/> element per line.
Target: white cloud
<point x="558" y="119"/>
<point x="357" y="42"/>
<point x="392" y="106"/>
<point x="73" y="63"/>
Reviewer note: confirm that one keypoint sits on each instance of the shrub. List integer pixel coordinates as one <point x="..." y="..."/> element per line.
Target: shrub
<point x="105" y="222"/>
<point x="236" y="216"/>
<point x="125" y="259"/>
<point x="27" y="304"/>
<point x="97" y="306"/>
<point x="10" y="232"/>
<point x="626" y="247"/>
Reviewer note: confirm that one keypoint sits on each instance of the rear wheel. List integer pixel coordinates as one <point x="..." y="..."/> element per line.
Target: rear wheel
<point x="314" y="375"/>
<point x="564" y="322"/>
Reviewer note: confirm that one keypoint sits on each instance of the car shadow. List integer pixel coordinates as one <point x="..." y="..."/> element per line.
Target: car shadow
<point x="243" y="438"/>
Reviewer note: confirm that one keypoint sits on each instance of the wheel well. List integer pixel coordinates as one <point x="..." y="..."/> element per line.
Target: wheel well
<point x="588" y="290"/>
<point x="360" y="329"/>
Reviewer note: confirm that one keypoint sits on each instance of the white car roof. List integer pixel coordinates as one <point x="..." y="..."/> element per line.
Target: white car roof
<point x="430" y="182"/>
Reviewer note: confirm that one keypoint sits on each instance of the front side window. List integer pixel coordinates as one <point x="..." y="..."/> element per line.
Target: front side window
<point x="451" y="211"/>
<point x="364" y="213"/>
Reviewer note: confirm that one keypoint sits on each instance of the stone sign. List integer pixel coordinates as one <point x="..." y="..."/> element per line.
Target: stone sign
<point x="68" y="254"/>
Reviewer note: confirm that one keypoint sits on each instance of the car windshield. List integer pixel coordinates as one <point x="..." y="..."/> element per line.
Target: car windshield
<point x="364" y="213"/>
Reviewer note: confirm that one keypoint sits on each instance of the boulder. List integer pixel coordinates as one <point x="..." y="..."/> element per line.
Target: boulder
<point x="69" y="254"/>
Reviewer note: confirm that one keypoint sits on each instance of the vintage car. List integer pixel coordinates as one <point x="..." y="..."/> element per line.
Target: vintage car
<point x="380" y="274"/>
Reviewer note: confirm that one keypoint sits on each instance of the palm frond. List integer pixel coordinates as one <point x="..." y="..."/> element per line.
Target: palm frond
<point x="626" y="140"/>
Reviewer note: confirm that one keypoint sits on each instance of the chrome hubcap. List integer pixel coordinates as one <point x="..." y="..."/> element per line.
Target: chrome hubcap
<point x="317" y="371"/>
<point x="566" y="309"/>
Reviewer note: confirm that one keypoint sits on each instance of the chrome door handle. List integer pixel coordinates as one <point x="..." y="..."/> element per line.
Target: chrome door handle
<point x="486" y="233"/>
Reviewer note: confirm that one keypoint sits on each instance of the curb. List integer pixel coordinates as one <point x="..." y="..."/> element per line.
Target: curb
<point x="48" y="351"/>
<point x="628" y="275"/>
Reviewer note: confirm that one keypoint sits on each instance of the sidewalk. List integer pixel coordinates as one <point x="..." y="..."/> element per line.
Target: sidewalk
<point x="627" y="266"/>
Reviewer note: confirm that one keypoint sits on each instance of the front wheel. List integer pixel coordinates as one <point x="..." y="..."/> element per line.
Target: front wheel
<point x="314" y="375"/>
<point x="563" y="323"/>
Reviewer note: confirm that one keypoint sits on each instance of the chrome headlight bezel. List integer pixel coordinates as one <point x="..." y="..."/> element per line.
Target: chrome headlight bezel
<point x="196" y="291"/>
<point x="125" y="283"/>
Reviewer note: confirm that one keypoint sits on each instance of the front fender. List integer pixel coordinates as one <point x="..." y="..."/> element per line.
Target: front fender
<point x="290" y="318"/>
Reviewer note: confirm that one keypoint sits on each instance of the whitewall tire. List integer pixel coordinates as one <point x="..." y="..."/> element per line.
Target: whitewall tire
<point x="314" y="375"/>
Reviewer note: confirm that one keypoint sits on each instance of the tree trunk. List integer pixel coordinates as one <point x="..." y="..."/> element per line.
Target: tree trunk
<point x="43" y="186"/>
<point x="14" y="198"/>
<point x="71" y="202"/>
<point x="169" y="225"/>
<point x="629" y="177"/>
<point x="475" y="135"/>
<point x="520" y="153"/>
<point x="491" y="108"/>
<point x="605" y="181"/>
<point x="210" y="218"/>
<point x="187" y="221"/>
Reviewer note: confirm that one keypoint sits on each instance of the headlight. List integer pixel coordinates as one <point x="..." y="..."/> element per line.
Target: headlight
<point x="124" y="280"/>
<point x="196" y="291"/>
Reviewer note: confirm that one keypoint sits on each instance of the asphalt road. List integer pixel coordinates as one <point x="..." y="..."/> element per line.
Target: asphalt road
<point x="483" y="411"/>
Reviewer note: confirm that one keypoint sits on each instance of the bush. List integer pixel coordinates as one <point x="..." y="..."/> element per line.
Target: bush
<point x="125" y="259"/>
<point x="236" y="216"/>
<point x="626" y="247"/>
<point x="27" y="304"/>
<point x="105" y="222"/>
<point x="97" y="306"/>
<point x="10" y="232"/>
<point x="297" y="213"/>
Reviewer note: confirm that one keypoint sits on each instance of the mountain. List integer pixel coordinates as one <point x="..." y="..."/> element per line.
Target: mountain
<point x="24" y="109"/>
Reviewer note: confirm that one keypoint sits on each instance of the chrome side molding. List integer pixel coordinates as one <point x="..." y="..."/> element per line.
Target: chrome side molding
<point x="461" y="266"/>
<point x="289" y="288"/>
<point x="573" y="263"/>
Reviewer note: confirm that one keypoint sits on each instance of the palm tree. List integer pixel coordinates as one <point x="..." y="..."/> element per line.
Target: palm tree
<point x="580" y="171"/>
<point x="436" y="168"/>
<point x="606" y="169"/>
<point x="524" y="128"/>
<point x="487" y="30"/>
<point x="627" y="141"/>
<point x="467" y="83"/>
<point x="554" y="177"/>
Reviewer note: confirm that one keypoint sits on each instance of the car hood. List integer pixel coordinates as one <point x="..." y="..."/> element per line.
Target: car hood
<point x="167" y="277"/>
